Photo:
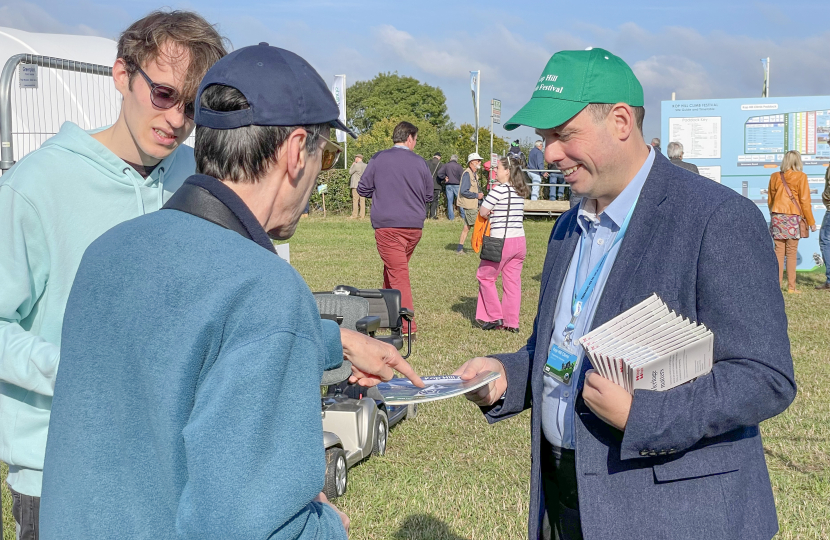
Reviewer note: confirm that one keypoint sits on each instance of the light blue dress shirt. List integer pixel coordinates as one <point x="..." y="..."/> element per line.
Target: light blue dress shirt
<point x="600" y="230"/>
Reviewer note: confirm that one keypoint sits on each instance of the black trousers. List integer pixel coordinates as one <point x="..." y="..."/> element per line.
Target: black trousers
<point x="433" y="206"/>
<point x="561" y="501"/>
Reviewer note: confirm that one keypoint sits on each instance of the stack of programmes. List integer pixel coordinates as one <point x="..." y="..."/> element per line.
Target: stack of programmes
<point x="649" y="347"/>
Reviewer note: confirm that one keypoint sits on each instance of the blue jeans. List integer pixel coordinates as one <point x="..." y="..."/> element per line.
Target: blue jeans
<point x="452" y="194"/>
<point x="824" y="243"/>
<point x="535" y="180"/>
<point x="26" y="513"/>
<point x="554" y="190"/>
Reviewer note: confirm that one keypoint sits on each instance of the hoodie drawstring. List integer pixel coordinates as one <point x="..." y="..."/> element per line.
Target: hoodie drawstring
<point x="138" y="200"/>
<point x="159" y="192"/>
<point x="161" y="188"/>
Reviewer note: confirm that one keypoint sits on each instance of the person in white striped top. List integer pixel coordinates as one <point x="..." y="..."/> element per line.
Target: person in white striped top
<point x="504" y="206"/>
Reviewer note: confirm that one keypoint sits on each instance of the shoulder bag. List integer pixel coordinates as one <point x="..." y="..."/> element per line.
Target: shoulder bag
<point x="491" y="247"/>
<point x="803" y="228"/>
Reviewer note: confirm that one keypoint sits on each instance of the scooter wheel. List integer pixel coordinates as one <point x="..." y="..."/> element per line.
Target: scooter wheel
<point x="337" y="473"/>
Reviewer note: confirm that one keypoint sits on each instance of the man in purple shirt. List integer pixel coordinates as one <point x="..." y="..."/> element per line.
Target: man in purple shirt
<point x="400" y="185"/>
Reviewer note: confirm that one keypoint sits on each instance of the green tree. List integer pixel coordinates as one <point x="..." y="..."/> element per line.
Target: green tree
<point x="465" y="143"/>
<point x="380" y="138"/>
<point x="388" y="96"/>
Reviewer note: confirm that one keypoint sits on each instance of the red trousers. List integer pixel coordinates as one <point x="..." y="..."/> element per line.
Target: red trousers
<point x="395" y="246"/>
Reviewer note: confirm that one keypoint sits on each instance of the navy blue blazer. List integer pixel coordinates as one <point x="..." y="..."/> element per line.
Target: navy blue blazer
<point x="690" y="463"/>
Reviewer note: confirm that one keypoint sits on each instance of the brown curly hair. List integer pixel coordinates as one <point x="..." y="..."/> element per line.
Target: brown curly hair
<point x="144" y="40"/>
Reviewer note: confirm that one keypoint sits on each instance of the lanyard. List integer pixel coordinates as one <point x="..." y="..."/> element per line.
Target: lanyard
<point x="584" y="293"/>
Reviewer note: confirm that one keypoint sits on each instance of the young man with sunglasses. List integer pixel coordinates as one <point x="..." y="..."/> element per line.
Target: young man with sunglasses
<point x="60" y="198"/>
<point x="206" y="350"/>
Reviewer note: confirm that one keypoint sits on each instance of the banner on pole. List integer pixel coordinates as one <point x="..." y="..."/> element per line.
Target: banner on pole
<point x="338" y="89"/>
<point x="494" y="160"/>
<point x="765" y="89"/>
<point x="496" y="111"/>
<point x="474" y="75"/>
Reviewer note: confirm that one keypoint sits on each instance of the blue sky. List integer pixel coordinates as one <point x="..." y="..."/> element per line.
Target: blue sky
<point x="703" y="49"/>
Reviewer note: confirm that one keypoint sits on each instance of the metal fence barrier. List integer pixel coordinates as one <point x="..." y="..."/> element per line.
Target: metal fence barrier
<point x="39" y="93"/>
<point x="48" y="92"/>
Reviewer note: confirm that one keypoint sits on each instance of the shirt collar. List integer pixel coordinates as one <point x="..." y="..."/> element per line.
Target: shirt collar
<point x="621" y="205"/>
<point x="401" y="145"/>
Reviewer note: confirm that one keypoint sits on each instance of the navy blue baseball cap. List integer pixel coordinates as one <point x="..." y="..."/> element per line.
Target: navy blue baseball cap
<point x="282" y="89"/>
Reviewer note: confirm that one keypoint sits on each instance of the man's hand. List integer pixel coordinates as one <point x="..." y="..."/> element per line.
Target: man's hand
<point x="321" y="498"/>
<point x="481" y="195"/>
<point x="490" y="393"/>
<point x="373" y="360"/>
<point x="607" y="399"/>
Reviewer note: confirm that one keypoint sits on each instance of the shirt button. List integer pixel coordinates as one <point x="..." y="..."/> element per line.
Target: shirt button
<point x="600" y="241"/>
<point x="566" y="393"/>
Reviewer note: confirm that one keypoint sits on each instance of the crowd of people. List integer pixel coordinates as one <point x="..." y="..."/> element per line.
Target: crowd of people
<point x="161" y="365"/>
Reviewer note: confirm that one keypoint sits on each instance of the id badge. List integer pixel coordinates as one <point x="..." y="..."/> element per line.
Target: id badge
<point x="560" y="364"/>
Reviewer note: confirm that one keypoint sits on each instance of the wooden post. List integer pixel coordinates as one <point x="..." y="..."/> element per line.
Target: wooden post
<point x="324" y="203"/>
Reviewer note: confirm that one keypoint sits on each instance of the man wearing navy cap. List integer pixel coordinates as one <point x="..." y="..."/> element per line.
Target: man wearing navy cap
<point x="687" y="462"/>
<point x="187" y="404"/>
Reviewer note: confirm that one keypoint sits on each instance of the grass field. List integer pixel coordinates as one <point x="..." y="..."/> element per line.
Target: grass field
<point x="448" y="475"/>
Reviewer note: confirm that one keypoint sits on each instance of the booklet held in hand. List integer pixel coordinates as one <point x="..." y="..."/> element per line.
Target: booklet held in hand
<point x="403" y="392"/>
<point x="649" y="347"/>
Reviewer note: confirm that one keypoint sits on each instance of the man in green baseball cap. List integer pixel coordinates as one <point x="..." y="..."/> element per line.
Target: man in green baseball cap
<point x="676" y="464"/>
<point x="572" y="105"/>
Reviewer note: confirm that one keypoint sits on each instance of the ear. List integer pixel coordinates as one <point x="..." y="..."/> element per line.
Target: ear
<point x="121" y="77"/>
<point x="622" y="121"/>
<point x="294" y="154"/>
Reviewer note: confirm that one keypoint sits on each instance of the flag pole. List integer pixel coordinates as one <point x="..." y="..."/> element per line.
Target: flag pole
<point x="346" y="143"/>
<point x="478" y="102"/>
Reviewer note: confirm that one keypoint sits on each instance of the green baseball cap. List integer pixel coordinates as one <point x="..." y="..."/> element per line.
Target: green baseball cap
<point x="572" y="80"/>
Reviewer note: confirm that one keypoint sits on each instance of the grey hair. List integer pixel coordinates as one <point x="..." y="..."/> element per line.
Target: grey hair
<point x="674" y="150"/>
<point x="655" y="141"/>
<point x="243" y="154"/>
<point x="454" y="157"/>
<point x="537" y="143"/>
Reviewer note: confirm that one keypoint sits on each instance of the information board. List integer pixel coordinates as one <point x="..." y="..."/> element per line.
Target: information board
<point x="741" y="142"/>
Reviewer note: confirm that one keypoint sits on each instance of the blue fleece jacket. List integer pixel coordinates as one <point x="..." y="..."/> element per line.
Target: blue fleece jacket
<point x="53" y="203"/>
<point x="188" y="402"/>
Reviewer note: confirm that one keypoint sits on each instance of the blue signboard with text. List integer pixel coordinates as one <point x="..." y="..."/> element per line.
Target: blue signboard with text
<point x="741" y="142"/>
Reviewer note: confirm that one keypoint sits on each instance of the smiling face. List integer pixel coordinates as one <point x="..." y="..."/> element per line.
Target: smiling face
<point x="155" y="132"/>
<point x="598" y="156"/>
<point x="583" y="150"/>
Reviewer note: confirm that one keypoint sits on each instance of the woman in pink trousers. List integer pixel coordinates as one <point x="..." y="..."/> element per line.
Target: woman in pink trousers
<point x="511" y="191"/>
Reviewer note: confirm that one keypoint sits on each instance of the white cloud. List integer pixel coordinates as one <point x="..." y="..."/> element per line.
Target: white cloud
<point x="446" y="58"/>
<point x="664" y="74"/>
<point x="672" y="59"/>
<point x="33" y="18"/>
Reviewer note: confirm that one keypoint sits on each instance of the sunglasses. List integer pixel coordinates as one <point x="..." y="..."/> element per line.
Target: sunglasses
<point x="166" y="97"/>
<point x="331" y="153"/>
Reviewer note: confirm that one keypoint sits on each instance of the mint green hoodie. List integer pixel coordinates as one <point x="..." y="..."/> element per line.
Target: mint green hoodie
<point x="53" y="203"/>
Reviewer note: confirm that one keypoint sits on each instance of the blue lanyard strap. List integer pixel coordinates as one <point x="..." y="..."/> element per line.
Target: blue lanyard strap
<point x="584" y="292"/>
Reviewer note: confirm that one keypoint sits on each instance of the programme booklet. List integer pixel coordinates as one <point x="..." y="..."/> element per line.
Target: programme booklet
<point x="403" y="392"/>
<point x="650" y="347"/>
